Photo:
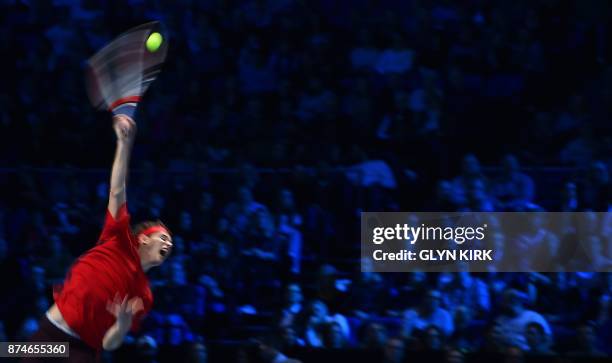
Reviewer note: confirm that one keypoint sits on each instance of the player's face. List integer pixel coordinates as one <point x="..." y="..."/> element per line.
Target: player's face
<point x="160" y="247"/>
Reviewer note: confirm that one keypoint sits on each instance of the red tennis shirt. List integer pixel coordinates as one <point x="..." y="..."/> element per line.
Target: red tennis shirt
<point x="111" y="267"/>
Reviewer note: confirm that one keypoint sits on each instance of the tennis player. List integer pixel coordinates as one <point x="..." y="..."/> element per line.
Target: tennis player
<point x="106" y="292"/>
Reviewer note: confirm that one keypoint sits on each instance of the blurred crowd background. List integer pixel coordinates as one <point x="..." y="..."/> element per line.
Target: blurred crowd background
<point x="273" y="124"/>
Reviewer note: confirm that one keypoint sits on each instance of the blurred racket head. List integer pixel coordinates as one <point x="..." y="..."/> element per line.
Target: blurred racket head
<point x="124" y="69"/>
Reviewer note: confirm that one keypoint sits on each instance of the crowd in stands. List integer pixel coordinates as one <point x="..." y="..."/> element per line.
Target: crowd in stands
<point x="273" y="124"/>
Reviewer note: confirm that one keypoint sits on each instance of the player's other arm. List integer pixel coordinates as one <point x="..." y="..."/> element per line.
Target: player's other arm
<point x="125" y="130"/>
<point x="124" y="311"/>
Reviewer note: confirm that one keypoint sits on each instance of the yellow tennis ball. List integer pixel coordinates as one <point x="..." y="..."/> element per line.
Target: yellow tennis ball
<point x="154" y="42"/>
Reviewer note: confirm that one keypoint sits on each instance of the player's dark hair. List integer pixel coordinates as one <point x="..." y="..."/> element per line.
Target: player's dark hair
<point x="147" y="224"/>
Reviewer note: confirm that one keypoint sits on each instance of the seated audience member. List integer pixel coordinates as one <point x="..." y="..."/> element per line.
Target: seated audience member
<point x="317" y="322"/>
<point x="478" y="199"/>
<point x="535" y="242"/>
<point x="462" y="288"/>
<point x="369" y="295"/>
<point x="413" y="287"/>
<point x="515" y="319"/>
<point x="513" y="190"/>
<point x="370" y="172"/>
<point x="428" y="313"/>
<point x="292" y="306"/>
<point x="446" y="200"/>
<point x="177" y="330"/>
<point x="180" y="296"/>
<point x="241" y="213"/>
<point x="327" y="288"/>
<point x="470" y="174"/>
<point x="289" y="223"/>
<point x="537" y="340"/>
<point x="288" y="339"/>
<point x="464" y="337"/>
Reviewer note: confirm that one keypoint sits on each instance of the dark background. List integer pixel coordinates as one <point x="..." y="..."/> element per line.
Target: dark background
<point x="272" y="125"/>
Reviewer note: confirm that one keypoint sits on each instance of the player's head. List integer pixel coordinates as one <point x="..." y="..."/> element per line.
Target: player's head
<point x="154" y="242"/>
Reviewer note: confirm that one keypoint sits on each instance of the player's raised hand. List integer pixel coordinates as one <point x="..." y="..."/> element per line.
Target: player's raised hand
<point x="125" y="128"/>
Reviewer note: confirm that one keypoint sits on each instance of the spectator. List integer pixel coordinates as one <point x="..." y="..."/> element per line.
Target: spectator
<point x="177" y="330"/>
<point x="327" y="287"/>
<point x="465" y="337"/>
<point x="513" y="190"/>
<point x="539" y="240"/>
<point x="428" y="313"/>
<point x="471" y="178"/>
<point x="292" y="306"/>
<point x="318" y="320"/>
<point x="369" y="173"/>
<point x="286" y="109"/>
<point x="537" y="340"/>
<point x="514" y="320"/>
<point x="289" y="340"/>
<point x="462" y="288"/>
<point x="369" y="295"/>
<point x="289" y="223"/>
<point x="241" y="213"/>
<point x="316" y="101"/>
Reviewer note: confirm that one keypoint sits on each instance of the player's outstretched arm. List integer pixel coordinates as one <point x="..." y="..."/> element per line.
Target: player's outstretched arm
<point x="125" y="130"/>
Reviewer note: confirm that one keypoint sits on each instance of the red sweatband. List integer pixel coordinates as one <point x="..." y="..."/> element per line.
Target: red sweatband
<point x="149" y="231"/>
